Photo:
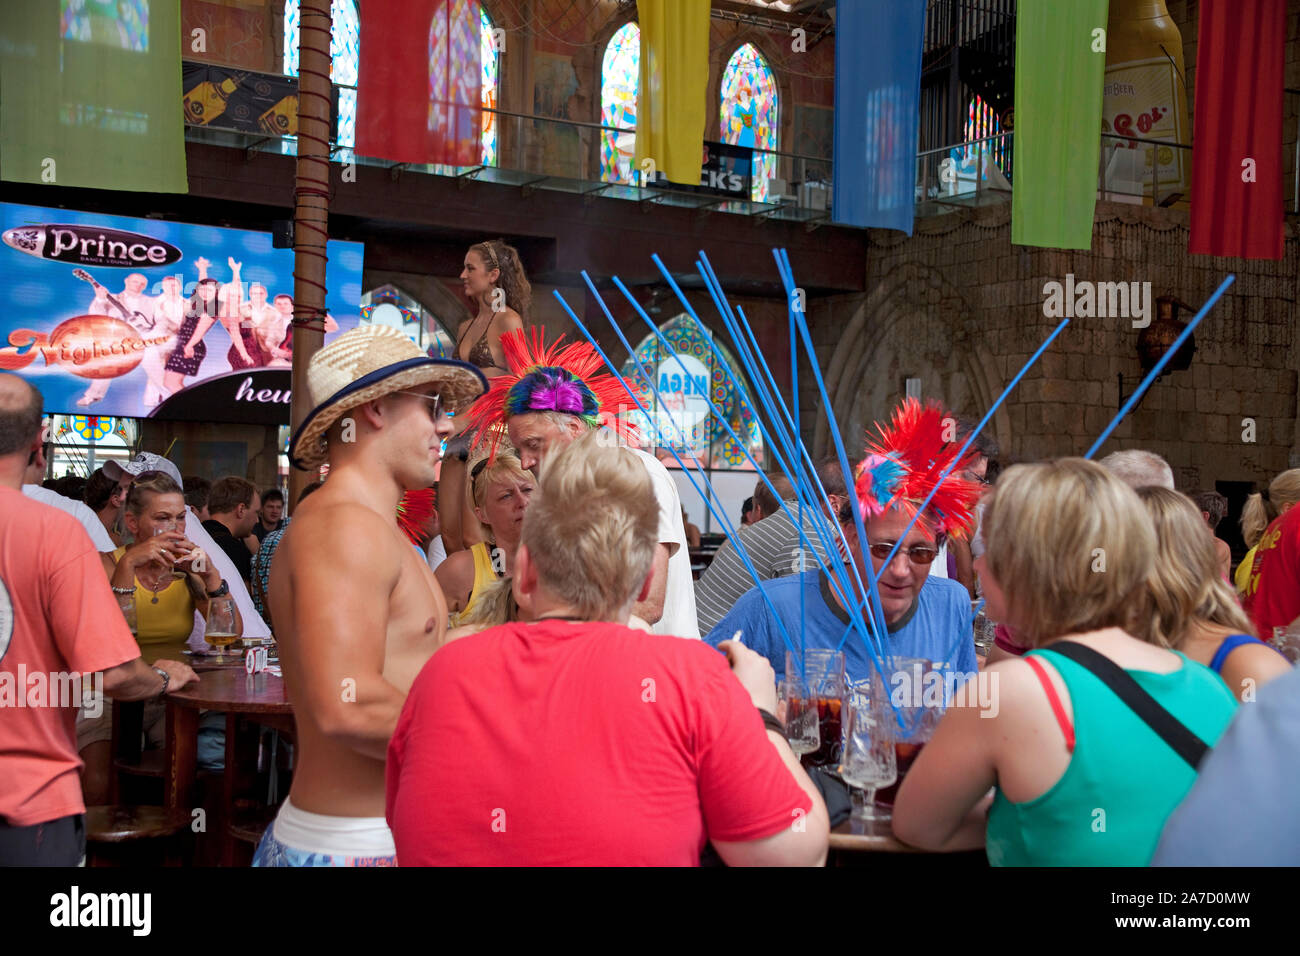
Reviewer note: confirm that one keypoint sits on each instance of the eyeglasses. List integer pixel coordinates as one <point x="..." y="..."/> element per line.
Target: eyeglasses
<point x="918" y="554"/>
<point x="978" y="479"/>
<point x="438" y="409"/>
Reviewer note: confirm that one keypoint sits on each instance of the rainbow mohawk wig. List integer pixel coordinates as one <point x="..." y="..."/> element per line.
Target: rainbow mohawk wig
<point x="554" y="378"/>
<point x="905" y="462"/>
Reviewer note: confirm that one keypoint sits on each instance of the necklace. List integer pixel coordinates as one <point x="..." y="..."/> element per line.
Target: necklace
<point x="157" y="585"/>
<point x="561" y="617"/>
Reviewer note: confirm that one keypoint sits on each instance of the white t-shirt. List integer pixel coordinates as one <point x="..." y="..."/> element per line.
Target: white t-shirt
<point x="939" y="566"/>
<point x="437" y="552"/>
<point x="79" y="510"/>
<point x="679" y="597"/>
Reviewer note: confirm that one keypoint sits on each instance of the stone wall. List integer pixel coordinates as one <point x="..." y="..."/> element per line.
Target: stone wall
<point x="961" y="308"/>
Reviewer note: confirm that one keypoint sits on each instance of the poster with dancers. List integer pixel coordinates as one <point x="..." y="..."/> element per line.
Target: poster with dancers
<point x="110" y="315"/>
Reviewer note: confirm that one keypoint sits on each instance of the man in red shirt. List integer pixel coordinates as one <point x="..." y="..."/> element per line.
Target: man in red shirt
<point x="59" y="625"/>
<point x="575" y="740"/>
<point x="1275" y="600"/>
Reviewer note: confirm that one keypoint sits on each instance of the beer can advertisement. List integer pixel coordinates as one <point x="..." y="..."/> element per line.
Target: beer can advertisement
<point x="110" y="315"/>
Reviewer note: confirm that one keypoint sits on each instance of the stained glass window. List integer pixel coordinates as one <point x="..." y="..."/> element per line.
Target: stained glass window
<point x="749" y="112"/>
<point x="683" y="420"/>
<point x="619" y="77"/>
<point x="345" y="58"/>
<point x="982" y="122"/>
<point x="491" y="74"/>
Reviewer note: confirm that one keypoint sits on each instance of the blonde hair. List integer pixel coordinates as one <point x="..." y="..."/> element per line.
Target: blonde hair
<point x="1184" y="587"/>
<point x="1070" y="544"/>
<point x="504" y="467"/>
<point x="496" y="605"/>
<point x="592" y="528"/>
<point x="1283" y="491"/>
<point x="150" y="483"/>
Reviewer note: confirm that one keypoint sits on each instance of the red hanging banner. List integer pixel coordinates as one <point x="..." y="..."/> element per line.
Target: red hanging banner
<point x="1237" y="149"/>
<point x="420" y="84"/>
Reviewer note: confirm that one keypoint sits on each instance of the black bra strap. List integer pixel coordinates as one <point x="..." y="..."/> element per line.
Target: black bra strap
<point x="1173" y="731"/>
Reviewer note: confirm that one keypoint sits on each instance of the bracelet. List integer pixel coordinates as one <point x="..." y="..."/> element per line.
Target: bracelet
<point x="770" y="722"/>
<point x="124" y="590"/>
<point x="166" y="678"/>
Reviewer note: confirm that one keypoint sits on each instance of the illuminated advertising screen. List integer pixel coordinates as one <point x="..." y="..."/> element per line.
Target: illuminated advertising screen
<point x="109" y="315"/>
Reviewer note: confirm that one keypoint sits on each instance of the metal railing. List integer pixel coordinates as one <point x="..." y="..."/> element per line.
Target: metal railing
<point x="550" y="153"/>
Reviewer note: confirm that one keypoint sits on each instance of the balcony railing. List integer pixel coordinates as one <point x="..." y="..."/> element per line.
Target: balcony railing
<point x="563" y="155"/>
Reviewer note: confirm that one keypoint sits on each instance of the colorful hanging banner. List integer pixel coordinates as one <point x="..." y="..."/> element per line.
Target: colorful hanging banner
<point x="1060" y="66"/>
<point x="92" y="95"/>
<point x="673" y="82"/>
<point x="419" y="89"/>
<point x="877" y="102"/>
<point x="1236" y="165"/>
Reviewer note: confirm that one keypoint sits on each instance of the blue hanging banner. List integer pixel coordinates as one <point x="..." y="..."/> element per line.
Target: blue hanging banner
<point x="877" y="102"/>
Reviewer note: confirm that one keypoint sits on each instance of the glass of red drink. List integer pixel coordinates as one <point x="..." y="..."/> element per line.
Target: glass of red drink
<point x="917" y="696"/>
<point x="822" y="674"/>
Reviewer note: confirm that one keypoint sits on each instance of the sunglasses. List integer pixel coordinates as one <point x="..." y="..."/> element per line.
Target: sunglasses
<point x="438" y="410"/>
<point x="918" y="554"/>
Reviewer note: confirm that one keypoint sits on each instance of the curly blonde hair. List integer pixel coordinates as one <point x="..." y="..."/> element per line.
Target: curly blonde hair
<point x="497" y="255"/>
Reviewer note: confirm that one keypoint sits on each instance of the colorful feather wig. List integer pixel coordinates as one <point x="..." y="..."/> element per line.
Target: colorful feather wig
<point x="555" y="378"/>
<point x="413" y="510"/>
<point x="903" y="464"/>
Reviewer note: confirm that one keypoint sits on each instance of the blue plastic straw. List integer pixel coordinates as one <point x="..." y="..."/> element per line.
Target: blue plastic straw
<point x="1160" y="366"/>
<point x="831" y="564"/>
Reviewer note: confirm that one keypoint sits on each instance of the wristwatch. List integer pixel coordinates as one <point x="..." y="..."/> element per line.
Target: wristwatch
<point x="221" y="590"/>
<point x="167" y="679"/>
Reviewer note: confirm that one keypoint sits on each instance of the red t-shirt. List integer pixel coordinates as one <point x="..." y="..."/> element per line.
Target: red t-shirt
<point x="57" y="616"/>
<point x="1275" y="600"/>
<point x="581" y="744"/>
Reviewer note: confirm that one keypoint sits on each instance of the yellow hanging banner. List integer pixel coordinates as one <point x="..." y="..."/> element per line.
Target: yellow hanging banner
<point x="672" y="97"/>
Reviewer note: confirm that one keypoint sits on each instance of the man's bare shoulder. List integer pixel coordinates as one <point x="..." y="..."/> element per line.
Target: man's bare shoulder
<point x="336" y="530"/>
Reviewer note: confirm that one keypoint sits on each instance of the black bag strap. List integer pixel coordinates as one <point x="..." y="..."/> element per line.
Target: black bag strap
<point x="1173" y="731"/>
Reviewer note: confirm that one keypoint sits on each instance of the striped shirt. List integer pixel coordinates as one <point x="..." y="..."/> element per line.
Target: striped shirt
<point x="774" y="548"/>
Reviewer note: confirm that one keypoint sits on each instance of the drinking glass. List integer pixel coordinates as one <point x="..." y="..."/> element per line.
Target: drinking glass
<point x="1287" y="641"/>
<point x="916" y="692"/>
<point x="869" y="760"/>
<point x="985" y="630"/>
<point x="800" y="712"/>
<point x="220" y="631"/>
<point x="823" y="675"/>
<point x="126" y="602"/>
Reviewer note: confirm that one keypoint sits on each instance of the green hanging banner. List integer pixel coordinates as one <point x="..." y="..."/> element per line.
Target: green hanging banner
<point x="90" y="95"/>
<point x="1060" y="65"/>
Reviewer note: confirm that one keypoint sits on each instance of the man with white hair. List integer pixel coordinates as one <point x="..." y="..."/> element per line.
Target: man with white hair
<point x="1139" y="469"/>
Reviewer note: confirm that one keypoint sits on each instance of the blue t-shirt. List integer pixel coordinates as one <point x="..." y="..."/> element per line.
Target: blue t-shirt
<point x="938" y="627"/>
<point x="1242" y="809"/>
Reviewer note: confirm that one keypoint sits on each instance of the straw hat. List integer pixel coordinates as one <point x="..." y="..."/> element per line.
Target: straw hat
<point x="366" y="363"/>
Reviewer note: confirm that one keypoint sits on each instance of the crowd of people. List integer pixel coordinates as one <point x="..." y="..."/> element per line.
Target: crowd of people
<point x="534" y="660"/>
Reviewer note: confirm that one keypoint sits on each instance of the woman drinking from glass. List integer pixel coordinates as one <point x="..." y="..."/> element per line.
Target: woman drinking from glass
<point x="1078" y="777"/>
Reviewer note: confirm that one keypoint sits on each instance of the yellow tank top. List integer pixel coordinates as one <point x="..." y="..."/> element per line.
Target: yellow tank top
<point x="484" y="576"/>
<point x="1242" y="578"/>
<point x="162" y="627"/>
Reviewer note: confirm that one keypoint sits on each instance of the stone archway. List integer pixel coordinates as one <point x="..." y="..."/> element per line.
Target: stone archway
<point x="914" y="323"/>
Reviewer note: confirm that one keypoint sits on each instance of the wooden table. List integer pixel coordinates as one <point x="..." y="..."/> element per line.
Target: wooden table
<point x="871" y="843"/>
<point x="232" y="691"/>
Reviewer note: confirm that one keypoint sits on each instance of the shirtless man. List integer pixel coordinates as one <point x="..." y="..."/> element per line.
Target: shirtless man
<point x="357" y="611"/>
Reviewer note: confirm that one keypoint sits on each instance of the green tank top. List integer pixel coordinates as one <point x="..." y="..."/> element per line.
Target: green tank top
<point x="1123" y="781"/>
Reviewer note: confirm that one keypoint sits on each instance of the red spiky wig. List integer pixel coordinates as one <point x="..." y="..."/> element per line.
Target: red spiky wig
<point x="904" y="463"/>
<point x="412" y="511"/>
<point x="552" y="378"/>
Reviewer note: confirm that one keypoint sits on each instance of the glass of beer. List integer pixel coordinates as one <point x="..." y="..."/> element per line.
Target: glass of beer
<point x="917" y="693"/>
<point x="822" y="674"/>
<point x="220" y="631"/>
<point x="799" y="712"/>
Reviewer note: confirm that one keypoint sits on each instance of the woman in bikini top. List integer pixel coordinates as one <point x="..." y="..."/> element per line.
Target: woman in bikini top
<point x="494" y="282"/>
